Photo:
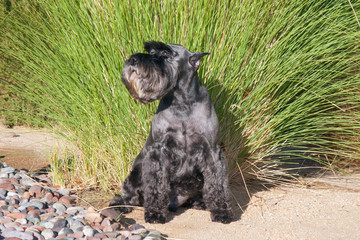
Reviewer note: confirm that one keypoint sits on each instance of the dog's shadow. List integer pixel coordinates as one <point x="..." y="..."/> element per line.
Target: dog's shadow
<point x="241" y="196"/>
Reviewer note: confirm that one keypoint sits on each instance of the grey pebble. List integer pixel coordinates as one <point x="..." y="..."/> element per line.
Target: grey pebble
<point x="59" y="224"/>
<point x="139" y="231"/>
<point x="4" y="175"/>
<point x="18" y="234"/>
<point x="22" y="221"/>
<point x="60" y="208"/>
<point x="38" y="236"/>
<point x="136" y="226"/>
<point x="153" y="235"/>
<point x="47" y="224"/>
<point x="33" y="218"/>
<point x="65" y="231"/>
<point x="7" y="170"/>
<point x="3" y="193"/>
<point x="134" y="237"/>
<point x="35" y="203"/>
<point x="48" y="233"/>
<point x="88" y="231"/>
<point x="74" y="210"/>
<point x="64" y="191"/>
<point x="27" y="181"/>
<point x="12" y="194"/>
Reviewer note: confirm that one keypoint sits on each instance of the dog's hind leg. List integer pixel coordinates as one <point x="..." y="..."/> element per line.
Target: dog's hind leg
<point x="216" y="188"/>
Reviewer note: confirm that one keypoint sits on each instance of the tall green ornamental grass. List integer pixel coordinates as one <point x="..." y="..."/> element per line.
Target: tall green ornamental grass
<point x="283" y="75"/>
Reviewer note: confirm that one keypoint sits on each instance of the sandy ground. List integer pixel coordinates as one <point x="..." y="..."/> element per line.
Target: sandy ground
<point x="320" y="208"/>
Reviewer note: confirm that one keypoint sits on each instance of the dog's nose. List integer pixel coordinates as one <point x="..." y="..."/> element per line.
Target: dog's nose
<point x="133" y="60"/>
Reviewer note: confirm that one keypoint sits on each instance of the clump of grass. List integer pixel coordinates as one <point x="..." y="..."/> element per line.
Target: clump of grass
<point x="283" y="76"/>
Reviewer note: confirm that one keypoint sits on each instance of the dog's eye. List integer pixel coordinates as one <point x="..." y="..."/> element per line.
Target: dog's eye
<point x="152" y="52"/>
<point x="165" y="54"/>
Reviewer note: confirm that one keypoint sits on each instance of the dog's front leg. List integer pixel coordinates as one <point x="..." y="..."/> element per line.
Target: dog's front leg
<point x="132" y="194"/>
<point x="156" y="186"/>
<point x="216" y="188"/>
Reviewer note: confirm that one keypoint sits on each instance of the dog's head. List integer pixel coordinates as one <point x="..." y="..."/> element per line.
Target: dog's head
<point x="150" y="76"/>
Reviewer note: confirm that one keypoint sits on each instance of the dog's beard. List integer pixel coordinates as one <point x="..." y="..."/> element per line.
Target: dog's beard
<point x="147" y="84"/>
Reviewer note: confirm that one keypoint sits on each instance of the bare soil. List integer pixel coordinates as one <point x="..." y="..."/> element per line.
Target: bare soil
<point x="326" y="207"/>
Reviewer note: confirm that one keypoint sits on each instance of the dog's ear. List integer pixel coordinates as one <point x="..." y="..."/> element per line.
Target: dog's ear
<point x="195" y="59"/>
<point x="153" y="47"/>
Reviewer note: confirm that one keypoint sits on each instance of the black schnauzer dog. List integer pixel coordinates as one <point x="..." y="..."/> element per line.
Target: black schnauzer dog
<point x="181" y="162"/>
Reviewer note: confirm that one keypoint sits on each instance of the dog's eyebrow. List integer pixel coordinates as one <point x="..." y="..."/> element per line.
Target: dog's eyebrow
<point x="159" y="46"/>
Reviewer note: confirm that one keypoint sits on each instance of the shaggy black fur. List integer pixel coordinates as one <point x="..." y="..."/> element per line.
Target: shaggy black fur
<point x="181" y="161"/>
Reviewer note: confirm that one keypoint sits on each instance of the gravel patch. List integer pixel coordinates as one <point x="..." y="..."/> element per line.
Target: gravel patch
<point x="31" y="209"/>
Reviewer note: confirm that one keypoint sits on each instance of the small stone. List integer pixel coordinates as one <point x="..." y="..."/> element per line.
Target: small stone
<point x="113" y="227"/>
<point x="65" y="231"/>
<point x="38" y="228"/>
<point x="14" y="201"/>
<point x="78" y="234"/>
<point x="8" y="170"/>
<point x="22" y="221"/>
<point x="106" y="222"/>
<point x="5" y="220"/>
<point x="48" y="233"/>
<point x="93" y="217"/>
<point x="48" y="195"/>
<point x="50" y="210"/>
<point x="64" y="191"/>
<point x="153" y="235"/>
<point x="11" y="224"/>
<point x="16" y="215"/>
<point x="47" y="215"/>
<point x="111" y="234"/>
<point x="100" y="235"/>
<point x="75" y="224"/>
<point x="47" y="225"/>
<point x="111" y="213"/>
<point x="4" y="180"/>
<point x="27" y="181"/>
<point x="35" y="203"/>
<point x="35" y="212"/>
<point x="135" y="227"/>
<point x="74" y="210"/>
<point x="7" y="186"/>
<point x="88" y="231"/>
<point x="23" y="201"/>
<point x="34" y="218"/>
<point x="14" y="181"/>
<point x="3" y="193"/>
<point x="125" y="233"/>
<point x="66" y="200"/>
<point x="60" y="208"/>
<point x="91" y="209"/>
<point x="18" y="234"/>
<point x="3" y="203"/>
<point x="13" y="194"/>
<point x="35" y="189"/>
<point x="4" y="175"/>
<point x="59" y="224"/>
<point x="38" y="236"/>
<point x="134" y="237"/>
<point x="44" y="178"/>
<point x="120" y="237"/>
<point x="140" y="231"/>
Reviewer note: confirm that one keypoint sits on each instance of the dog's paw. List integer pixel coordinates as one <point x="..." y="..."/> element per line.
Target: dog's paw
<point x="119" y="204"/>
<point x="155" y="217"/>
<point x="223" y="216"/>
